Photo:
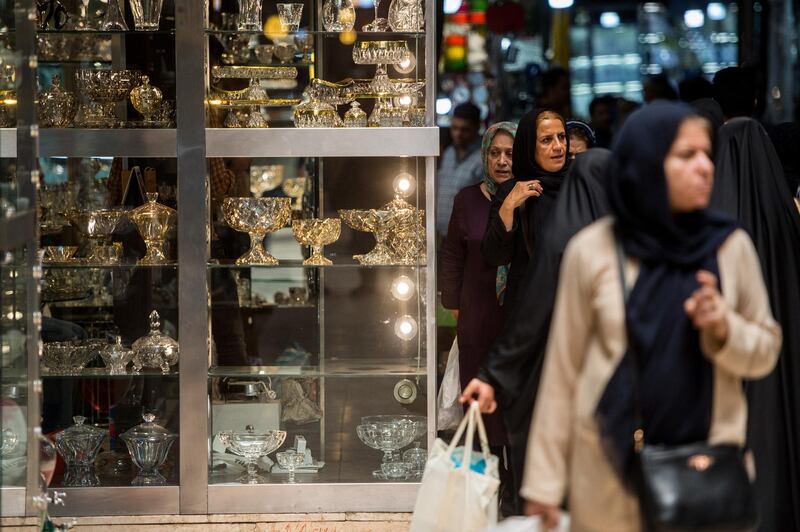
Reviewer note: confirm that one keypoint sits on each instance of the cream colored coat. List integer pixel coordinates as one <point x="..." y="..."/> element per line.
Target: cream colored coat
<point x="587" y="342"/>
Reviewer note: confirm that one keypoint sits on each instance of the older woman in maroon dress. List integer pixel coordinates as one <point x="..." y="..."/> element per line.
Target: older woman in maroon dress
<point x="471" y="286"/>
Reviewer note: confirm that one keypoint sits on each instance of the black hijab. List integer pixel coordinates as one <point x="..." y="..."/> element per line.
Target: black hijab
<point x="514" y="362"/>
<point x="749" y="185"/>
<point x="524" y="156"/>
<point x="674" y="377"/>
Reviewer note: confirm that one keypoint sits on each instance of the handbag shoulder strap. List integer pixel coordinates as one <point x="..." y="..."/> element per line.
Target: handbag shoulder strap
<point x="638" y="433"/>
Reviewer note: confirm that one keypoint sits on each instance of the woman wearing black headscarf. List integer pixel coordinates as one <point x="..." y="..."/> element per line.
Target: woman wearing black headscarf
<point x="786" y="138"/>
<point x="513" y="364"/>
<point x="693" y="344"/>
<point x="750" y="186"/>
<point x="521" y="206"/>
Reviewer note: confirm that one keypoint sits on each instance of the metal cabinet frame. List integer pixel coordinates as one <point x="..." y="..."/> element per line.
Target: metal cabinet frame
<point x="191" y="143"/>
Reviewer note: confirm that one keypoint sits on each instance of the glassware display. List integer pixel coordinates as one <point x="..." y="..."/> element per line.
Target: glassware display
<point x="295" y="188"/>
<point x="146" y="99"/>
<point x="406" y="15"/>
<point x="388" y="437"/>
<point x="104" y="89"/>
<point x="57" y="107"/>
<point x="59" y="254"/>
<point x="379" y="24"/>
<point x="380" y="222"/>
<point x="317" y="233"/>
<point x="338" y="15"/>
<point x="116" y="357"/>
<point x="380" y="53"/>
<point x="148" y="444"/>
<point x="98" y="226"/>
<point x="264" y="178"/>
<point x="155" y="349"/>
<point x="154" y="222"/>
<point x="255" y="94"/>
<point x="355" y="116"/>
<point x="113" y="20"/>
<point x="285" y="52"/>
<point x="289" y="16"/>
<point x="78" y="446"/>
<point x="249" y="15"/>
<point x="146" y="14"/>
<point x="264" y="53"/>
<point x="290" y="460"/>
<point x="257" y="217"/>
<point x="305" y="43"/>
<point x="70" y="357"/>
<point x="252" y="445"/>
<point x="315" y="114"/>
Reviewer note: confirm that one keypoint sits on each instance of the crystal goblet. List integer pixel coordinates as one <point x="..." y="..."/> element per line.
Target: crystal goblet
<point x="379" y="24"/>
<point x="317" y="233"/>
<point x="290" y="460"/>
<point x="257" y="217"/>
<point x="252" y="445"/>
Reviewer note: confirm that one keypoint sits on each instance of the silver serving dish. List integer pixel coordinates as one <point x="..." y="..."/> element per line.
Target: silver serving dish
<point x="148" y="445"/>
<point x="155" y="349"/>
<point x="79" y="444"/>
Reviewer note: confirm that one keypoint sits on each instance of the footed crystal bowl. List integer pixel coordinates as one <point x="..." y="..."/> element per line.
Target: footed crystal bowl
<point x="380" y="222"/>
<point x="98" y="226"/>
<point x="252" y="445"/>
<point x="317" y="233"/>
<point x="387" y="437"/>
<point x="257" y="217"/>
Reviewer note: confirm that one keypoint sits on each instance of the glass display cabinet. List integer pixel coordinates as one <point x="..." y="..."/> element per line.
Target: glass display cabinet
<point x="234" y="215"/>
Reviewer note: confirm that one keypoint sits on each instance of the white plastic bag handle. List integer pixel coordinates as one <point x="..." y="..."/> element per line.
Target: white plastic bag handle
<point x="472" y="418"/>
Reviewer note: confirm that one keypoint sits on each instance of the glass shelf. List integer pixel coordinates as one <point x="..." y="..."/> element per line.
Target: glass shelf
<point x="332" y="368"/>
<point x="102" y="373"/>
<point x="96" y="32"/>
<point x="363" y="35"/>
<point x="299" y="264"/>
<point x="124" y="266"/>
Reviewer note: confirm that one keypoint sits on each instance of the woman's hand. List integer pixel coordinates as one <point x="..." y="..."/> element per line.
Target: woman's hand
<point x="707" y="308"/>
<point x="550" y="515"/>
<point x="522" y="191"/>
<point x="483" y="393"/>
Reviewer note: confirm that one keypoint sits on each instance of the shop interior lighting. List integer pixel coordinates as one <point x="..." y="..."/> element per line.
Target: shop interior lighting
<point x="694" y="18"/>
<point x="505" y="43"/>
<point x="443" y="106"/>
<point x="407" y="65"/>
<point x="560" y="4"/>
<point x="652" y="7"/>
<point x="403" y="288"/>
<point x="405" y="327"/>
<point x="716" y="11"/>
<point x="404" y="184"/>
<point x="609" y="19"/>
<point x="451" y="6"/>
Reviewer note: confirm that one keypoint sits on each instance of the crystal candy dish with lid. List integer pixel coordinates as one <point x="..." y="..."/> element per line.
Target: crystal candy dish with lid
<point x="79" y="444"/>
<point x="154" y="222"/>
<point x="57" y="107"/>
<point x="148" y="444"/>
<point x="155" y="349"/>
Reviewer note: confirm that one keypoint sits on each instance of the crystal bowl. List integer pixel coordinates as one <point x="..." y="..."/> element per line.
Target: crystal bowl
<point x="70" y="357"/>
<point x="317" y="233"/>
<point x="257" y="217"/>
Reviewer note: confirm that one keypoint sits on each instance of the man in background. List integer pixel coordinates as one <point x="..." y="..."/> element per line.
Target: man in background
<point x="735" y="90"/>
<point x="460" y="165"/>
<point x="556" y="92"/>
<point x="601" y="114"/>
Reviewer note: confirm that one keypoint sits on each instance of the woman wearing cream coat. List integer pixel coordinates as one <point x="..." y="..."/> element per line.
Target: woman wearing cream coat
<point x="696" y="338"/>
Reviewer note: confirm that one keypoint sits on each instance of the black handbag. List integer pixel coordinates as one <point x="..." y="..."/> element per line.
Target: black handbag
<point x="691" y="487"/>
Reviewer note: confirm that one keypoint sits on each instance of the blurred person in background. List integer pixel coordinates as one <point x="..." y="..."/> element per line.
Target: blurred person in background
<point x="736" y="91"/>
<point x="694" y="88"/>
<point x="694" y="314"/>
<point x="509" y="376"/>
<point x="460" y="165"/>
<point x="601" y="119"/>
<point x="581" y="137"/>
<point x="659" y="87"/>
<point x="555" y="91"/>
<point x="471" y="287"/>
<point x="522" y="205"/>
<point x="750" y="186"/>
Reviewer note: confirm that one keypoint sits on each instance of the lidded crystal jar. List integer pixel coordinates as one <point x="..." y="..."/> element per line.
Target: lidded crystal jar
<point x="116" y="357"/>
<point x="154" y="222"/>
<point x="155" y="349"/>
<point x="147" y="100"/>
<point x="355" y="116"/>
<point x="79" y="444"/>
<point x="57" y="107"/>
<point x="313" y="113"/>
<point x="148" y="445"/>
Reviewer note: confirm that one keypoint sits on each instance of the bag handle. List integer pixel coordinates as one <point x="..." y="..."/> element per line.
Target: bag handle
<point x="638" y="432"/>
<point x="468" y="424"/>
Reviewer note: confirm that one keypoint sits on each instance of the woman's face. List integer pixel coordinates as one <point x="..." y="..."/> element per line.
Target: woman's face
<point x="551" y="144"/>
<point x="689" y="169"/>
<point x="499" y="157"/>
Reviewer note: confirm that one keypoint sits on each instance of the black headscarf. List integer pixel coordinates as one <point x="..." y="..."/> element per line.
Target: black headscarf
<point x="749" y="185"/>
<point x="709" y="109"/>
<point x="674" y="378"/>
<point x="786" y="138"/>
<point x="524" y="157"/>
<point x="513" y="364"/>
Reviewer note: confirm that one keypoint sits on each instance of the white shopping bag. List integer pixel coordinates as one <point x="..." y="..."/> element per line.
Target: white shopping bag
<point x="456" y="498"/>
<point x="528" y="524"/>
<point x="448" y="410"/>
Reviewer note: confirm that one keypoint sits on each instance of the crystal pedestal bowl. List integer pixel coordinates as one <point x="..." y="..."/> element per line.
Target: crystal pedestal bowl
<point x="97" y="226"/>
<point x="317" y="233"/>
<point x="252" y="445"/>
<point x="257" y="217"/>
<point x="376" y="221"/>
<point x="387" y="437"/>
<point x="104" y="88"/>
